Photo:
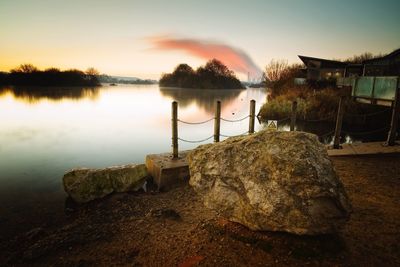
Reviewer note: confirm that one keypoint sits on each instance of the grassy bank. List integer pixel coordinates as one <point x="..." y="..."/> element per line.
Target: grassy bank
<point x="314" y="104"/>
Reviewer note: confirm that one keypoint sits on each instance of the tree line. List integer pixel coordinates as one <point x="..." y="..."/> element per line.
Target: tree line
<point x="104" y="78"/>
<point x="213" y="75"/>
<point x="27" y="74"/>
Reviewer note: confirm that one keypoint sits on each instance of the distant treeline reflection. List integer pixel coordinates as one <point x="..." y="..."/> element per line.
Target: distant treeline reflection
<point x="33" y="94"/>
<point x="204" y="98"/>
<point x="28" y="74"/>
<point x="103" y="78"/>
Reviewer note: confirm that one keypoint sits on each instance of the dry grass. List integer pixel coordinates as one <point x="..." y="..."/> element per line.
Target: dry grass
<point x="312" y="104"/>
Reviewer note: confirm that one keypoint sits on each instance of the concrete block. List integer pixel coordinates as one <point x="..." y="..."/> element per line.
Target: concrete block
<point x="167" y="172"/>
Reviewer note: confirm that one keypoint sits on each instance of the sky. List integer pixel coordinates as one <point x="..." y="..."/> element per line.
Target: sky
<point x="146" y="38"/>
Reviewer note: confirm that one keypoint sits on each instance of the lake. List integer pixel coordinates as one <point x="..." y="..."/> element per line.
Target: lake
<point x="45" y="132"/>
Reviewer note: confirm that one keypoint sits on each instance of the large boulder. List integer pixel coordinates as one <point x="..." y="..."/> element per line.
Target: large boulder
<point x="84" y="185"/>
<point x="272" y="181"/>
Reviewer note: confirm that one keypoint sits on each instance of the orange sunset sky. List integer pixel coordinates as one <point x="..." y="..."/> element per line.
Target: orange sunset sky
<point x="145" y="38"/>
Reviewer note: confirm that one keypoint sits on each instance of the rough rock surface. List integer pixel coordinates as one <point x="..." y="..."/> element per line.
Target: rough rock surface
<point x="272" y="181"/>
<point x="84" y="185"/>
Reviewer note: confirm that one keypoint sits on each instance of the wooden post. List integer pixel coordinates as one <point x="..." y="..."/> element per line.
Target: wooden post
<point x="395" y="117"/>
<point x="354" y="88"/>
<point x="293" y="116"/>
<point x="339" y="121"/>
<point x="252" y="116"/>
<point x="217" y="121"/>
<point x="373" y="100"/>
<point x="175" y="130"/>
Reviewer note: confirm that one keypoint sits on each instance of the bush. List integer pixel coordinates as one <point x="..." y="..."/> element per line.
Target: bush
<point x="214" y="75"/>
<point x="28" y="74"/>
<point x="280" y="76"/>
<point x="311" y="104"/>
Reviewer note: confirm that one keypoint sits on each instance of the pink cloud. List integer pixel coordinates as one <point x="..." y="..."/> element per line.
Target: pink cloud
<point x="236" y="59"/>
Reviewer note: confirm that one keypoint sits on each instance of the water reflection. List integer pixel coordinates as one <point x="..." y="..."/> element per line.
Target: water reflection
<point x="35" y="94"/>
<point x="204" y="99"/>
<point x="45" y="131"/>
<point x="64" y="128"/>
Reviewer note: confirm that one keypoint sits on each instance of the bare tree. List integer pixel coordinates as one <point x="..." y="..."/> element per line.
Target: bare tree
<point x="276" y="70"/>
<point x="92" y="72"/>
<point x="25" y="68"/>
<point x="358" y="59"/>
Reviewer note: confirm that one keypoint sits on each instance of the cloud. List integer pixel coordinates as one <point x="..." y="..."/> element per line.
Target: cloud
<point x="235" y="58"/>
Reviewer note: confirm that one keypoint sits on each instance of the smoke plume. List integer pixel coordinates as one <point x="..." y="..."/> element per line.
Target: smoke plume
<point x="234" y="58"/>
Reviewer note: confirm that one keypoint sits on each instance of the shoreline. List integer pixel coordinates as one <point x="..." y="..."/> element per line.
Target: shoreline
<point x="174" y="227"/>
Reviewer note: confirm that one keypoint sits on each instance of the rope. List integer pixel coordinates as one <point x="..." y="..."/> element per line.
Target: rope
<point x="368" y="114"/>
<point x="223" y="135"/>
<point x="298" y="118"/>
<point x="235" y="120"/>
<point x="318" y="120"/>
<point x="369" y="132"/>
<point x="195" y="141"/>
<point x="326" y="134"/>
<point x="332" y="116"/>
<point x="285" y="119"/>
<point x="192" y="123"/>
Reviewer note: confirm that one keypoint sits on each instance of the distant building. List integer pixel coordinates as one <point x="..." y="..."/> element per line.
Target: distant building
<point x="324" y="69"/>
<point x="353" y="70"/>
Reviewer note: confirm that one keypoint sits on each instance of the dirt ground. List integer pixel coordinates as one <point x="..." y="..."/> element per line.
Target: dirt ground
<point x="174" y="229"/>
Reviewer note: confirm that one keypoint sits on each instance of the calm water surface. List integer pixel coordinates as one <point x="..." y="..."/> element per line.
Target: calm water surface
<point x="47" y="131"/>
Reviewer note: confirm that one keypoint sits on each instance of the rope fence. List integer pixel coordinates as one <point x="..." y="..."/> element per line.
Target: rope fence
<point x="331" y="117"/>
<point x="217" y="125"/>
<point x="367" y="114"/>
<point x="321" y="120"/>
<point x="326" y="134"/>
<point x="282" y="120"/>
<point x="336" y="132"/>
<point x="367" y="132"/>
